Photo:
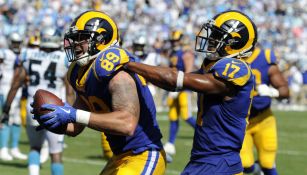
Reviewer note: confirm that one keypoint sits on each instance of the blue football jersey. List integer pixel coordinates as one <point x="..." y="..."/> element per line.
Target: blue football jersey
<point x="221" y="122"/>
<point x="176" y="60"/>
<point x="260" y="62"/>
<point x="91" y="84"/>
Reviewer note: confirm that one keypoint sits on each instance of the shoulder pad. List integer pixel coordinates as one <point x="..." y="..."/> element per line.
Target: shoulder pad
<point x="109" y="61"/>
<point x="232" y="70"/>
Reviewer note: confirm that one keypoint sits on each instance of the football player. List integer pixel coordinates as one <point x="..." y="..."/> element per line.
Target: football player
<point x="179" y="102"/>
<point x="32" y="47"/>
<point x="261" y="130"/>
<point x="224" y="84"/>
<point x="12" y="127"/>
<point x="45" y="69"/>
<point x="109" y="99"/>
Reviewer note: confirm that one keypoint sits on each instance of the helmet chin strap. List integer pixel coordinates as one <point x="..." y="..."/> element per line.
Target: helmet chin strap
<point x="212" y="56"/>
<point x="243" y="54"/>
<point x="86" y="58"/>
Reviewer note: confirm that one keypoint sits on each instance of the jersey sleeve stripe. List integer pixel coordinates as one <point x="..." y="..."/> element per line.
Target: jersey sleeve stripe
<point x="268" y="55"/>
<point x="254" y="55"/>
<point x="81" y="84"/>
<point x="71" y="67"/>
<point x="94" y="71"/>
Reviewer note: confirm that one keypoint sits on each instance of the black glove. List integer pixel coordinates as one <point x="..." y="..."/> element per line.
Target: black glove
<point x="4" y="118"/>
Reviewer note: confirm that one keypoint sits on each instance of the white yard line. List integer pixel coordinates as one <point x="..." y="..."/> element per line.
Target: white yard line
<point x="292" y="153"/>
<point x="168" y="171"/>
<point x="84" y="161"/>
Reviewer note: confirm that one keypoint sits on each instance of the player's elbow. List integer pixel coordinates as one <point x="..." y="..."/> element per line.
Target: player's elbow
<point x="284" y="92"/>
<point x="71" y="134"/>
<point x="129" y="124"/>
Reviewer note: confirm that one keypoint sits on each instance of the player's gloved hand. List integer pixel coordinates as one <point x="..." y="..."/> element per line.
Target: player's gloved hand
<point x="265" y="90"/>
<point x="60" y="115"/>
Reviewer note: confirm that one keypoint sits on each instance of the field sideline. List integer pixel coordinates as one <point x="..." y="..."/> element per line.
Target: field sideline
<point x="83" y="153"/>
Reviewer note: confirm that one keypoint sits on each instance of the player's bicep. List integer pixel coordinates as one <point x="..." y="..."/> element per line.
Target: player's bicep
<point x="276" y="77"/>
<point x="278" y="81"/>
<point x="124" y="94"/>
<point x="206" y="83"/>
<point x="19" y="77"/>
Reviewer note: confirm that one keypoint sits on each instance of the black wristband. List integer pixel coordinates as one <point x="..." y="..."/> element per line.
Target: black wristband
<point x="6" y="108"/>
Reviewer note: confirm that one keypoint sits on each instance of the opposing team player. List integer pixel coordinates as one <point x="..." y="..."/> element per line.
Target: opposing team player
<point x="119" y="102"/>
<point x="32" y="47"/>
<point x="46" y="69"/>
<point x="224" y="84"/>
<point x="179" y="102"/>
<point x="11" y="129"/>
<point x="261" y="130"/>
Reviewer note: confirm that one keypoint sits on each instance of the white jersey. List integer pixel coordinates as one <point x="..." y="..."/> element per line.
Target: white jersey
<point x="7" y="71"/>
<point x="46" y="71"/>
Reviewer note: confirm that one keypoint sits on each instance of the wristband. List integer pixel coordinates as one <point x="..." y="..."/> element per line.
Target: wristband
<point x="6" y="108"/>
<point x="179" y="83"/>
<point x="82" y="117"/>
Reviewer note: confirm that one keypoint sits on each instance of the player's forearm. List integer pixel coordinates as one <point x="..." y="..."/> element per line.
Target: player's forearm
<point x="11" y="95"/>
<point x="17" y="82"/>
<point x="162" y="77"/>
<point x="283" y="92"/>
<point x="117" y="123"/>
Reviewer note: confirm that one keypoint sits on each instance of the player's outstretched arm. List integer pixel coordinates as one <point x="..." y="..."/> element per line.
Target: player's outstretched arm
<point x="167" y="78"/>
<point x="278" y="81"/>
<point x="125" y="105"/>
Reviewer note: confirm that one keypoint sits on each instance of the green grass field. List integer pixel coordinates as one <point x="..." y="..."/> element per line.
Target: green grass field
<point x="83" y="153"/>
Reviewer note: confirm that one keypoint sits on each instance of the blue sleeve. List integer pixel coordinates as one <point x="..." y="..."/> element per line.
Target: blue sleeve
<point x="232" y="70"/>
<point x="109" y="61"/>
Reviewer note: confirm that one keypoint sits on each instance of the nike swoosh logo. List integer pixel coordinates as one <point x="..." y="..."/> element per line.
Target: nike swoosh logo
<point x="65" y="110"/>
<point x="234" y="62"/>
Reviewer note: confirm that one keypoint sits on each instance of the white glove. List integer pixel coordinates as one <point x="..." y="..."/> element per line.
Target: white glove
<point x="173" y="94"/>
<point x="265" y="90"/>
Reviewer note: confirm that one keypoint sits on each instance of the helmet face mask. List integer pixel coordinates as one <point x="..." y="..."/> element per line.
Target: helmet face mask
<point x="76" y="45"/>
<point x="210" y="38"/>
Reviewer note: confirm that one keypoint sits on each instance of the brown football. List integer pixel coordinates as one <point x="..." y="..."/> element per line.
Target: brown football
<point x="45" y="97"/>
